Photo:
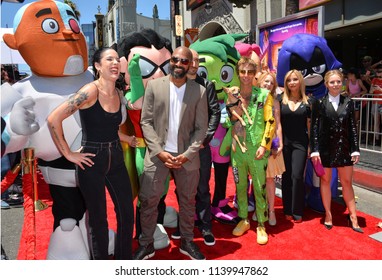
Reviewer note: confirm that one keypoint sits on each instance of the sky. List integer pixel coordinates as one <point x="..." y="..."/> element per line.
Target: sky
<point x="88" y="8"/>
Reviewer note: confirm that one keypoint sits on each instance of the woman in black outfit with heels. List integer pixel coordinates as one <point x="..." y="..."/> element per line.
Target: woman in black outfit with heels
<point x="295" y="123"/>
<point x="100" y="162"/>
<point x="334" y="143"/>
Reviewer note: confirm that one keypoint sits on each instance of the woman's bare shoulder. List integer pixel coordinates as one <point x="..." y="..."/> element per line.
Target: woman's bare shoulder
<point x="87" y="95"/>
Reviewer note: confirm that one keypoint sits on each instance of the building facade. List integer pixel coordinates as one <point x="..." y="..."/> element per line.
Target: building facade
<point x="352" y="28"/>
<point x="88" y="30"/>
<point x="122" y="19"/>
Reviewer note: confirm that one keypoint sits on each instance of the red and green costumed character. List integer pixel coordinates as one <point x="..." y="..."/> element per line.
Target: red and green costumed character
<point x="218" y="57"/>
<point x="148" y="55"/>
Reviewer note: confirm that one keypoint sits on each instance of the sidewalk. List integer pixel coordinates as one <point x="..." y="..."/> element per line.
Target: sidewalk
<point x="368" y="172"/>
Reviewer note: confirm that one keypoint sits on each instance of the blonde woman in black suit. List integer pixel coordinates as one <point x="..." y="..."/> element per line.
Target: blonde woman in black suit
<point x="334" y="143"/>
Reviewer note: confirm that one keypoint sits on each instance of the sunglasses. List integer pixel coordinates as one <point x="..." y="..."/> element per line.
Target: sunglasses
<point x="184" y="61"/>
<point x="248" y="72"/>
<point x="148" y="67"/>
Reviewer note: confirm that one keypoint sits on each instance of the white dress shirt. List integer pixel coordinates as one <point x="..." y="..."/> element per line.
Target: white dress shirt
<point x="335" y="100"/>
<point x="176" y="100"/>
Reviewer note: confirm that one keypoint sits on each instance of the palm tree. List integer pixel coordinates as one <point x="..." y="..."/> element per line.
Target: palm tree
<point x="74" y="8"/>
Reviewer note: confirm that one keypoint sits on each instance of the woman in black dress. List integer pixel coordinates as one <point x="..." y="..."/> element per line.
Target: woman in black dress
<point x="295" y="123"/>
<point x="334" y="143"/>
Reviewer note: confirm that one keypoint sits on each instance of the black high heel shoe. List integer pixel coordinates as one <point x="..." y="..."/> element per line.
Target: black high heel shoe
<point x="328" y="226"/>
<point x="356" y="229"/>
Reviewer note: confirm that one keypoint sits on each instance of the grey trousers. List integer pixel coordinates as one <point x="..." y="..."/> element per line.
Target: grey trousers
<point x="152" y="188"/>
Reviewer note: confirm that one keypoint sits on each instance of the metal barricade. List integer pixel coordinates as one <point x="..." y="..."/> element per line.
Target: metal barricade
<point x="370" y="120"/>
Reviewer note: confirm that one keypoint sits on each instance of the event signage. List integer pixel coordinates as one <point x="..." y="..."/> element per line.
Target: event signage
<point x="271" y="35"/>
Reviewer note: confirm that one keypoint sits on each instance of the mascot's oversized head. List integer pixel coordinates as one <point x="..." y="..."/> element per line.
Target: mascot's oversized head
<point x="311" y="55"/>
<point x="218" y="57"/>
<point x="155" y="53"/>
<point x="41" y="29"/>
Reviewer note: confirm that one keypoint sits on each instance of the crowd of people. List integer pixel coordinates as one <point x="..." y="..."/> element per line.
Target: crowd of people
<point x="179" y="117"/>
<point x="366" y="81"/>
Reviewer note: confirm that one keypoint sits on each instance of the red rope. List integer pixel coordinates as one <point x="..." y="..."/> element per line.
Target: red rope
<point x="8" y="180"/>
<point x="29" y="226"/>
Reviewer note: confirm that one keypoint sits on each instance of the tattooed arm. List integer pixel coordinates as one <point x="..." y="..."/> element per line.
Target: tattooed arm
<point x="84" y="98"/>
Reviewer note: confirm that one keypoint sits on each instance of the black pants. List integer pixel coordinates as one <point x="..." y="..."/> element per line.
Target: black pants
<point x="221" y="174"/>
<point x="293" y="187"/>
<point x="203" y="196"/>
<point x="108" y="170"/>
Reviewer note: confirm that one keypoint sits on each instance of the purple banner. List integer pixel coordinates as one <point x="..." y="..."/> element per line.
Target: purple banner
<point x="272" y="37"/>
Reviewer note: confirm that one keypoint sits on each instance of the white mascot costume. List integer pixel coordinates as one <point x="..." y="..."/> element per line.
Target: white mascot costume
<point x="49" y="38"/>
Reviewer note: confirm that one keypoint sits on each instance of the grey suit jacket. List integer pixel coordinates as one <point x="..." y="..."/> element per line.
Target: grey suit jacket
<point x="155" y="120"/>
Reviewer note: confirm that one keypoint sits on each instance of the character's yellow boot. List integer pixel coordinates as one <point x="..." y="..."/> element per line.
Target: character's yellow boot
<point x="241" y="227"/>
<point x="262" y="236"/>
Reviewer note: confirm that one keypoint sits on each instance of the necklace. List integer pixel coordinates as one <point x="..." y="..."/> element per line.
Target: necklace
<point x="294" y="104"/>
<point x="295" y="101"/>
<point x="105" y="93"/>
<point x="295" y="96"/>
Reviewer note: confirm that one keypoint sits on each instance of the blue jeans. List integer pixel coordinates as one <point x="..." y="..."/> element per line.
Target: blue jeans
<point x="108" y="170"/>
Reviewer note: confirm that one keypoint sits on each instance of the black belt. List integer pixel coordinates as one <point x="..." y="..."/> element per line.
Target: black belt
<point x="101" y="145"/>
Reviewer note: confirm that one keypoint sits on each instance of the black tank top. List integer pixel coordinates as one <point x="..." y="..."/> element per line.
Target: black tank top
<point x="99" y="125"/>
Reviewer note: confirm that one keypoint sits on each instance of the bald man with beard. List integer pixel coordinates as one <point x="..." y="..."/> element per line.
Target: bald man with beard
<point x="174" y="122"/>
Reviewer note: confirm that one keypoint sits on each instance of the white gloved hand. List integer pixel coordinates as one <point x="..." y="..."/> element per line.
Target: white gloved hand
<point x="22" y="118"/>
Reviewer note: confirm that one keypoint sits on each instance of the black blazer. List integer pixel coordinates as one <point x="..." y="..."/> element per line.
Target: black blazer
<point x="334" y="133"/>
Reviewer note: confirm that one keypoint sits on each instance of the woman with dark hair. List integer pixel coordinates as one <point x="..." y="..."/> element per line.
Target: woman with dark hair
<point x="334" y="143"/>
<point x="100" y="161"/>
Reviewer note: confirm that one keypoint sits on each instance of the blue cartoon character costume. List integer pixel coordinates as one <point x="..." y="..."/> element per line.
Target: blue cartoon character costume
<point x="311" y="55"/>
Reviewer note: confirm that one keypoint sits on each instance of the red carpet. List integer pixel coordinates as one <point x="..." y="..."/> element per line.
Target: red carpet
<point x="308" y="240"/>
